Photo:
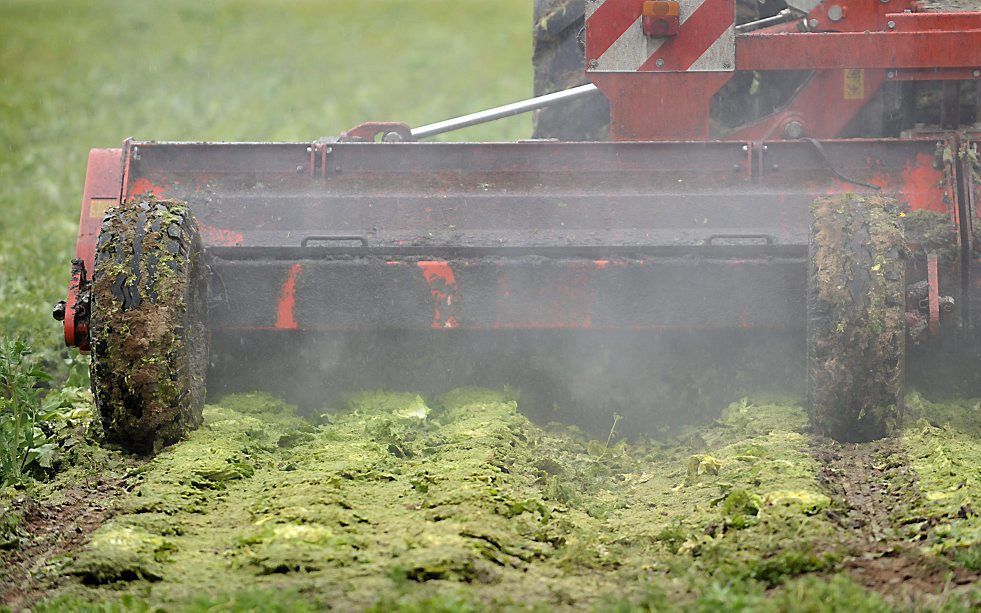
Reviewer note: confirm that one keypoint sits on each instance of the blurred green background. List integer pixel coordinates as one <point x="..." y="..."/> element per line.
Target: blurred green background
<point x="81" y="74"/>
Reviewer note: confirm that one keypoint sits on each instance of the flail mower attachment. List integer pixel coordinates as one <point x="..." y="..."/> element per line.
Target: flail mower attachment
<point x="689" y="225"/>
<point x="469" y="242"/>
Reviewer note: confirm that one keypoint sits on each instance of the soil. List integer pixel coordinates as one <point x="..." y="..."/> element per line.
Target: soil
<point x="872" y="483"/>
<point x="52" y="530"/>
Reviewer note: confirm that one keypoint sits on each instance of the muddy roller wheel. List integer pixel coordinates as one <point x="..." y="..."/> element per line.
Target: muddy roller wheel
<point x="855" y="317"/>
<point x="149" y="329"/>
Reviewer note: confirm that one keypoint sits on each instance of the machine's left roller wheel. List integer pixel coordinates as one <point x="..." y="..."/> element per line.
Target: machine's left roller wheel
<point x="856" y="325"/>
<point x="149" y="329"/>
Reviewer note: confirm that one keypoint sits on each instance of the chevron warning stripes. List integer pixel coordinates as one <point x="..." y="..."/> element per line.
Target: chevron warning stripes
<point x="615" y="41"/>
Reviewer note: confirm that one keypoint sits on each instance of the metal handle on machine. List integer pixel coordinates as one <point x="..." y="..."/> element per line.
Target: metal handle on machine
<point x="334" y="238"/>
<point x="757" y="237"/>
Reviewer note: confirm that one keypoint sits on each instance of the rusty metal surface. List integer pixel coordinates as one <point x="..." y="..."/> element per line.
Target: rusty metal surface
<point x="337" y="293"/>
<point x="520" y="194"/>
<point x="526" y="235"/>
<point x="891" y="49"/>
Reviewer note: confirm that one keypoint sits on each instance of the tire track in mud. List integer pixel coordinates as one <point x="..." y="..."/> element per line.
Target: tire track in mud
<point x="877" y="508"/>
<point x="51" y="531"/>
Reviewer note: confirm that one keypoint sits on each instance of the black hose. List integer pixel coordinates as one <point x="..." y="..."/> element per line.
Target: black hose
<point x="827" y="160"/>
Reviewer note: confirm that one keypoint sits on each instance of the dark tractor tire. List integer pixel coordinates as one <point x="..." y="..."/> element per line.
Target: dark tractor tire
<point x="559" y="63"/>
<point x="149" y="325"/>
<point x="856" y="325"/>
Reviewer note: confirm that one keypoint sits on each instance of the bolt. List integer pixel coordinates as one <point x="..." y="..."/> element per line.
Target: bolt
<point x="813" y="23"/>
<point x="891" y="74"/>
<point x="884" y="1"/>
<point x="309" y="149"/>
<point x="836" y="13"/>
<point x="745" y="147"/>
<point x="659" y="62"/>
<point x="593" y="63"/>
<point x="976" y="73"/>
<point x="59" y="311"/>
<point x="735" y="168"/>
<point x="299" y="170"/>
<point x="392" y="137"/>
<point x="793" y="129"/>
<point x="891" y="24"/>
<point x="727" y="65"/>
<point x="776" y="167"/>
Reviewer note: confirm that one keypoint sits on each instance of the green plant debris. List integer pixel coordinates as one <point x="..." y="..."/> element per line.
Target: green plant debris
<point x="372" y="506"/>
<point x="945" y="452"/>
<point x="931" y="231"/>
<point x="396" y="501"/>
<point x="118" y="553"/>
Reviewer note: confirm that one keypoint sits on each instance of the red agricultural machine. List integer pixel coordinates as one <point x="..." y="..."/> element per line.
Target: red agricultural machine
<point x="689" y="218"/>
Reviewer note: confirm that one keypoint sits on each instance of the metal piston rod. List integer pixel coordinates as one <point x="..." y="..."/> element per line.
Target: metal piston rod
<point x="500" y="112"/>
<point x="540" y="102"/>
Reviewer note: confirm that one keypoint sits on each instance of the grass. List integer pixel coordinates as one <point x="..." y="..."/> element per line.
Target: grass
<point x="77" y="75"/>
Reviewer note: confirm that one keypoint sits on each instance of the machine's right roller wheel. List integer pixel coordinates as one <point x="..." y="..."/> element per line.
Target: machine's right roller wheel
<point x="855" y="317"/>
<point x="149" y="329"/>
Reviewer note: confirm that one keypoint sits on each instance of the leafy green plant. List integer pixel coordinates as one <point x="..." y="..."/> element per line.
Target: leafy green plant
<point x="23" y="444"/>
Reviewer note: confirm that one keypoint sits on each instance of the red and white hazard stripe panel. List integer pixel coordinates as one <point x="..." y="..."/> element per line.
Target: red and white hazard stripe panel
<point x="615" y="40"/>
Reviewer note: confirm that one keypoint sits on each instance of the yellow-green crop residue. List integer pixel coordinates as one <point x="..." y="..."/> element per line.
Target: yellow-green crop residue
<point x="398" y="500"/>
<point x="945" y="453"/>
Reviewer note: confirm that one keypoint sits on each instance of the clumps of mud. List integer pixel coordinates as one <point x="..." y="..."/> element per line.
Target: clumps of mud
<point x="930" y="231"/>
<point x="397" y="499"/>
<point x="856" y="327"/>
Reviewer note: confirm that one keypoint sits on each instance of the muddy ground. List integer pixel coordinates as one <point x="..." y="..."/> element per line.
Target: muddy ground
<point x="393" y="501"/>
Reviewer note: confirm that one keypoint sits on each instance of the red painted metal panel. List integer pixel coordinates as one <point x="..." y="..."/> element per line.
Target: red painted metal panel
<point x="856" y="15"/>
<point x="933" y="74"/>
<point x="103" y="180"/>
<point x="810" y="51"/>
<point x="656" y="106"/>
<point x="913" y="22"/>
<point x="285" y="310"/>
<point x="823" y="107"/>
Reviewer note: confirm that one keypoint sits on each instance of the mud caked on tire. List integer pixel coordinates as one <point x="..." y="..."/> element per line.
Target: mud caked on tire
<point x="149" y="328"/>
<point x="856" y="334"/>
